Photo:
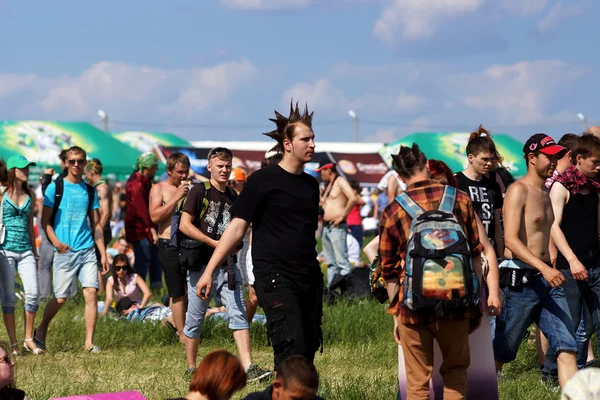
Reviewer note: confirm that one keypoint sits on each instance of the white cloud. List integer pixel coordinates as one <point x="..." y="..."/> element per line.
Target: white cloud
<point x="557" y="14"/>
<point x="519" y="93"/>
<point x="386" y="135"/>
<point x="411" y="19"/>
<point x="210" y="85"/>
<point x="523" y="7"/>
<point x="265" y="4"/>
<point x="410" y="102"/>
<point x="127" y="89"/>
<point x="319" y="95"/>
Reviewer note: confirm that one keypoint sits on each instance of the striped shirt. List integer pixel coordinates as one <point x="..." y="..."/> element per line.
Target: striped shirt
<point x="393" y="240"/>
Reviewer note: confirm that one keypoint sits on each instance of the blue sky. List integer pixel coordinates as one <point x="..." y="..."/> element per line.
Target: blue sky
<point x="216" y="69"/>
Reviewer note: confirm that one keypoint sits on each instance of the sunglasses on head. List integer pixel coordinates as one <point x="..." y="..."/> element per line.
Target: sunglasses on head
<point x="218" y="150"/>
<point x="79" y="161"/>
<point x="120" y="267"/>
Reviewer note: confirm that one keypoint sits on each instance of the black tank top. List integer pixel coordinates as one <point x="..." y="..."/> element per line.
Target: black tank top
<point x="580" y="226"/>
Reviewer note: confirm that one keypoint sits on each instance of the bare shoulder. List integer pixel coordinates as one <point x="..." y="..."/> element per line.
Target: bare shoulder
<point x="516" y="193"/>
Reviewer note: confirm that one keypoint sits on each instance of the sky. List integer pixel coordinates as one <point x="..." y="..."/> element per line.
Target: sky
<point x="217" y="69"/>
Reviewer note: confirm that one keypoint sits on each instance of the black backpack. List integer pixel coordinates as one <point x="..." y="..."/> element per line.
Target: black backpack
<point x="58" y="195"/>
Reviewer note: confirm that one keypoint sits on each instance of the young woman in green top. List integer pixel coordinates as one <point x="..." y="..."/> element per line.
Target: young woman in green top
<point x="18" y="251"/>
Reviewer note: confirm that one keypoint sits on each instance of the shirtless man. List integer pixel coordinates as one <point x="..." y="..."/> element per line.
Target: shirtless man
<point x="531" y="285"/>
<point x="395" y="186"/>
<point x="93" y="174"/>
<point x="164" y="197"/>
<point x="337" y="200"/>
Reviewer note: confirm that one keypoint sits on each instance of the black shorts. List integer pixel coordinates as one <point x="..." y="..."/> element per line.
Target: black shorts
<point x="175" y="276"/>
<point x="294" y="309"/>
<point x="107" y="238"/>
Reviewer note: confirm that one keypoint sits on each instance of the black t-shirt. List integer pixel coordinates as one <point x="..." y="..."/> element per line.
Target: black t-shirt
<point x="11" y="394"/>
<point x="267" y="394"/>
<point x="283" y="209"/>
<point x="217" y="202"/>
<point x="486" y="197"/>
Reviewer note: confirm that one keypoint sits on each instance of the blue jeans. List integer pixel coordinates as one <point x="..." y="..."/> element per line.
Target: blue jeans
<point x="233" y="300"/>
<point x="335" y="250"/>
<point x="357" y="232"/>
<point x="536" y="302"/>
<point x="579" y="293"/>
<point x="146" y="259"/>
<point x="24" y="263"/>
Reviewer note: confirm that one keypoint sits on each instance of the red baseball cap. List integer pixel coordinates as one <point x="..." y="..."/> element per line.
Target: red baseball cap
<point x="325" y="164"/>
<point x="544" y="144"/>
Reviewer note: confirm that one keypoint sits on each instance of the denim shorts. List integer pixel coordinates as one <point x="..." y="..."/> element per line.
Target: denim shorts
<point x="536" y="302"/>
<point x="233" y="300"/>
<point x="71" y="265"/>
<point x="24" y="264"/>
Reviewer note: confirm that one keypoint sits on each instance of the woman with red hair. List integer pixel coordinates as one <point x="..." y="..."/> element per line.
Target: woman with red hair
<point x="218" y="377"/>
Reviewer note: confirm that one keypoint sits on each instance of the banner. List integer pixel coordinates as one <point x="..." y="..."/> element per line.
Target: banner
<point x="366" y="168"/>
<point x="249" y="159"/>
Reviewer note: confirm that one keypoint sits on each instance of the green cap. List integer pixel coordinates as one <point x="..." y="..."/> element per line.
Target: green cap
<point x="146" y="160"/>
<point x="18" y="161"/>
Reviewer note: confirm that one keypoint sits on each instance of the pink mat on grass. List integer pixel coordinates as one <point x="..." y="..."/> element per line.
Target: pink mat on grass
<point x="105" y="396"/>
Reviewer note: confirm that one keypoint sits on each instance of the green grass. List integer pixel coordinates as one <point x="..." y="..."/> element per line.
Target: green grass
<point x="359" y="359"/>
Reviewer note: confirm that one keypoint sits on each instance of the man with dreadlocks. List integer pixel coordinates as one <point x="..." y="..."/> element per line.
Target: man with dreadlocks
<point x="282" y="203"/>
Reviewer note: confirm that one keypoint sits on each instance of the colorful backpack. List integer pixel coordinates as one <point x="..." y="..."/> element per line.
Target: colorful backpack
<point x="439" y="273"/>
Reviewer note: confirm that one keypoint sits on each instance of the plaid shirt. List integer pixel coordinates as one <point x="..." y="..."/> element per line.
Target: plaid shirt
<point x="393" y="233"/>
<point x="574" y="181"/>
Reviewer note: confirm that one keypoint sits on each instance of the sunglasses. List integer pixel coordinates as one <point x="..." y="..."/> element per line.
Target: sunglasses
<point x="78" y="161"/>
<point x="120" y="268"/>
<point x="6" y="359"/>
<point x="218" y="150"/>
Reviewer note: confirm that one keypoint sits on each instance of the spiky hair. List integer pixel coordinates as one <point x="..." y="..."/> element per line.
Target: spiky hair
<point x="282" y="123"/>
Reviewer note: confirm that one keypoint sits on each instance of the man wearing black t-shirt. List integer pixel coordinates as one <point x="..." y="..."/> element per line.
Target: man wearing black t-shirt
<point x="206" y="214"/>
<point x="484" y="192"/>
<point x="282" y="203"/>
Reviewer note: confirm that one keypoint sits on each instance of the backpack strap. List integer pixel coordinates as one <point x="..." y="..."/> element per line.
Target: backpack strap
<point x="204" y="200"/>
<point x="448" y="200"/>
<point x="204" y="207"/>
<point x="412" y="209"/>
<point x="91" y="191"/>
<point x="58" y="194"/>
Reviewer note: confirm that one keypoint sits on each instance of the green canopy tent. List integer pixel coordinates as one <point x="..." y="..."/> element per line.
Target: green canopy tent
<point x="152" y="141"/>
<point x="148" y="141"/>
<point x="42" y="141"/>
<point x="450" y="148"/>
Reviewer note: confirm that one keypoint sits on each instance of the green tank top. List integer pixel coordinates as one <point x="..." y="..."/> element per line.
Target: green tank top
<point x="16" y="223"/>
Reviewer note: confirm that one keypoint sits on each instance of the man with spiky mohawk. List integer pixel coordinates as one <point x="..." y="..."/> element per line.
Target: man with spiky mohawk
<point x="282" y="203"/>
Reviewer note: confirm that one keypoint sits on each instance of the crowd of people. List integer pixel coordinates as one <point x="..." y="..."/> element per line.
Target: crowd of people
<point x="451" y="247"/>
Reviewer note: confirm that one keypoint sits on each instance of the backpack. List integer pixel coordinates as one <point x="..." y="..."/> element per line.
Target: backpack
<point x="58" y="194"/>
<point x="438" y="266"/>
<point x="176" y="218"/>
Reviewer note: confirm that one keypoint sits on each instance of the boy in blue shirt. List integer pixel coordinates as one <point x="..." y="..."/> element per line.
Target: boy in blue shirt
<point x="71" y="235"/>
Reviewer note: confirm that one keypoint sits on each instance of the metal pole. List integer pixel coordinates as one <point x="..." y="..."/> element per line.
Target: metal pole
<point x="106" y="123"/>
<point x="356" y="129"/>
<point x="584" y="122"/>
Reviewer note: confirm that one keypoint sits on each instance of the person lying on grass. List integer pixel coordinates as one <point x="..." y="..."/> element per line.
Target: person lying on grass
<point x="124" y="282"/>
<point x="129" y="310"/>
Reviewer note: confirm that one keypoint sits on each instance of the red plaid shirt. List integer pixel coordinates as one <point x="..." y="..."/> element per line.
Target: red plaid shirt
<point x="393" y="233"/>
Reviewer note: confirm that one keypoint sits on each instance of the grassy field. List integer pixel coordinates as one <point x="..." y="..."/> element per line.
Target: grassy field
<point x="359" y="361"/>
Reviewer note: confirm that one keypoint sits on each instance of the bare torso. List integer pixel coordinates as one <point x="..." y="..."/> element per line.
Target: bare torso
<point x="334" y="203"/>
<point x="104" y="194"/>
<point x="536" y="222"/>
<point x="167" y="191"/>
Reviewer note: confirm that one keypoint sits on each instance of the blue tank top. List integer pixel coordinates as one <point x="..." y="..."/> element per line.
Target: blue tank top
<point x="16" y="223"/>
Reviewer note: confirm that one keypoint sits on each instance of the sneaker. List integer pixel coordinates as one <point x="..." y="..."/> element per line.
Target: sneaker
<point x="189" y="373"/>
<point x="256" y="373"/>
